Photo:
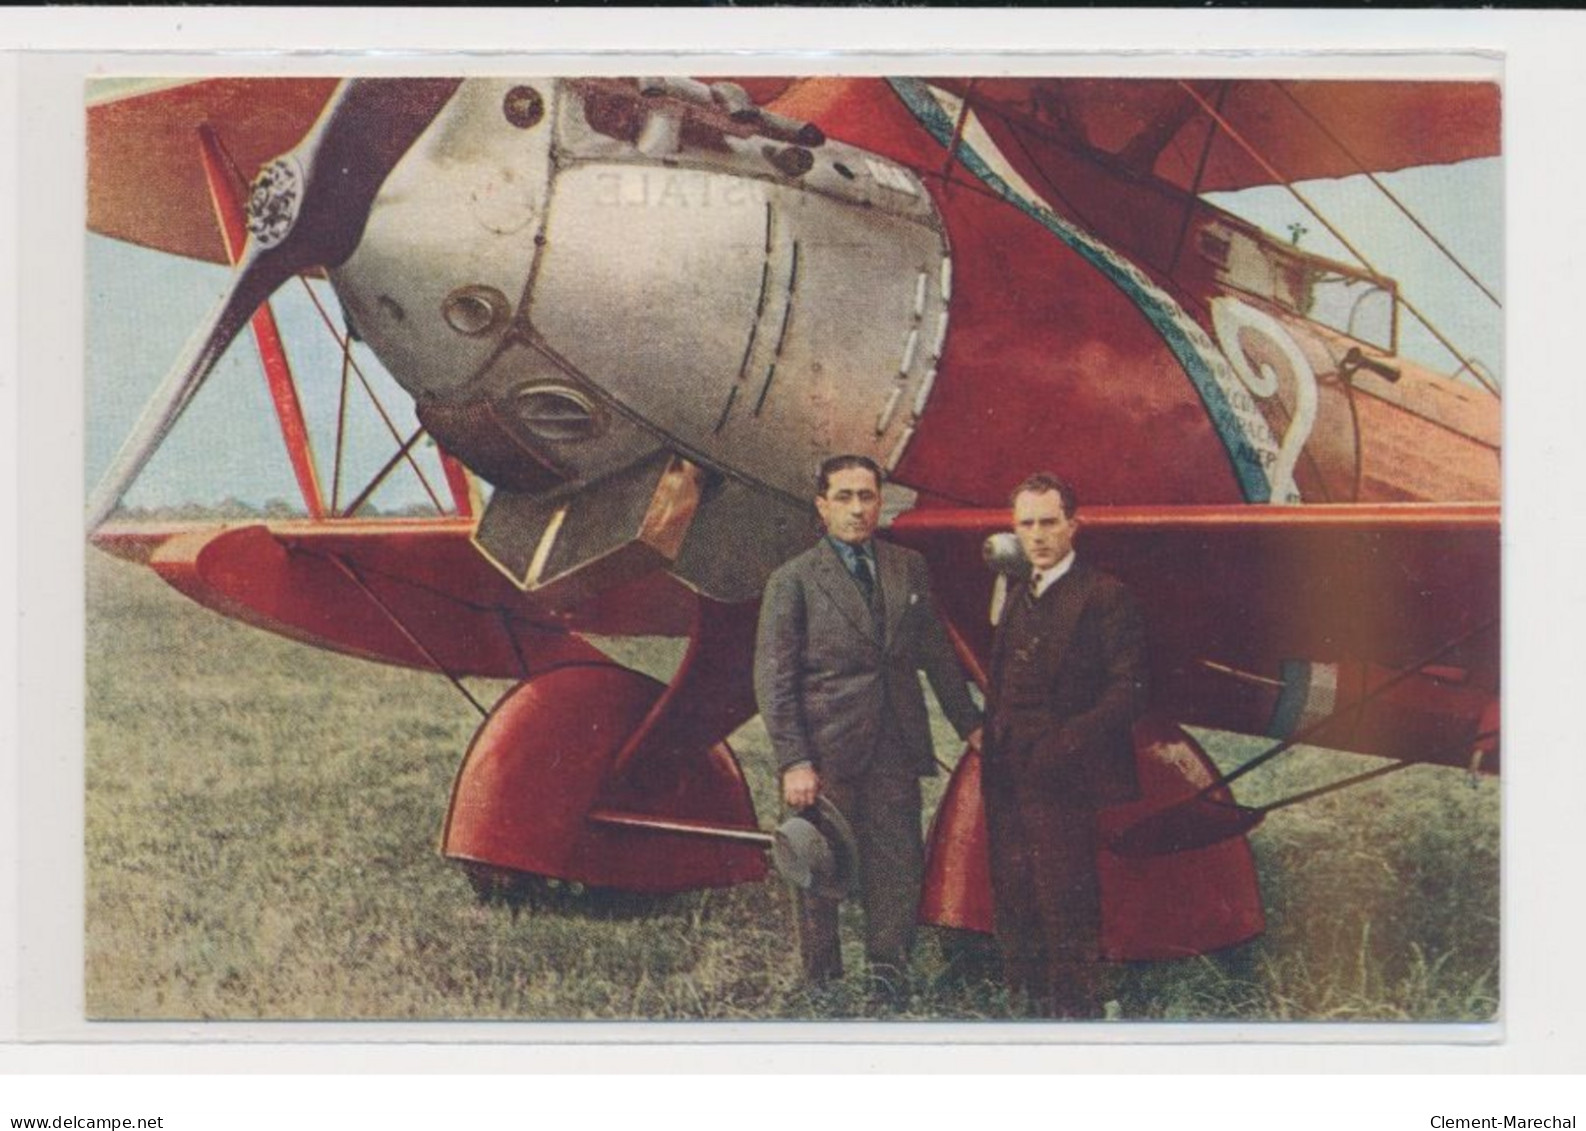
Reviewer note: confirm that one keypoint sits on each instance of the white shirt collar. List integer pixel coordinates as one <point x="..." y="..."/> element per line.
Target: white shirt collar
<point x="1042" y="579"/>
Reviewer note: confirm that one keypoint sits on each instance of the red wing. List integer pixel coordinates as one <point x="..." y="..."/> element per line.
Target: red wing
<point x="1160" y="127"/>
<point x="145" y="179"/>
<point x="1268" y="620"/>
<point x="410" y="592"/>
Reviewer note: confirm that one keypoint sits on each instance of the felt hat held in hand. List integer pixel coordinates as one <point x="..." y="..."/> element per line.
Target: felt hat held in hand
<point x="816" y="851"/>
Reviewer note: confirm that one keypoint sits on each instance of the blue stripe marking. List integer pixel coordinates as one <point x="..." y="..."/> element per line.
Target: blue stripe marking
<point x="1296" y="675"/>
<point x="1247" y="465"/>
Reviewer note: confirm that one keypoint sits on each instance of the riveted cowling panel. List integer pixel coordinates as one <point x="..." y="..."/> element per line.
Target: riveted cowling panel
<point x="459" y="218"/>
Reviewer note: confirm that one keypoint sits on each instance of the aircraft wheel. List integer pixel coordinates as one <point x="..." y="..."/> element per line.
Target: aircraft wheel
<point x="548" y="756"/>
<point x="529" y="891"/>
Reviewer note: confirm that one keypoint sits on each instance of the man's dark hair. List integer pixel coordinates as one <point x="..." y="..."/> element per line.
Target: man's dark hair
<point x="830" y="467"/>
<point x="1042" y="482"/>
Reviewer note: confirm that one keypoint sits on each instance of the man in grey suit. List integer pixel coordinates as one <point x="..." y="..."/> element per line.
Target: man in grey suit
<point x="845" y="628"/>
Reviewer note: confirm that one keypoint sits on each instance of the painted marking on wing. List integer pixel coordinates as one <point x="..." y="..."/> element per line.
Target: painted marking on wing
<point x="1309" y="695"/>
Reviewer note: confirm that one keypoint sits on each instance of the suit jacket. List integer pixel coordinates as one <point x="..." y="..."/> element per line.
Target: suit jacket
<point x="830" y="681"/>
<point x="1091" y="664"/>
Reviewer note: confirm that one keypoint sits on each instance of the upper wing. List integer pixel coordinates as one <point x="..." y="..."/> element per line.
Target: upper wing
<point x="145" y="180"/>
<point x="1281" y="620"/>
<point x="1303" y="129"/>
<point x="146" y="185"/>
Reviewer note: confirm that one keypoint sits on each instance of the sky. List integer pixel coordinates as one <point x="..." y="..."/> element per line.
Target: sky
<point x="1460" y="204"/>
<point x="142" y="305"/>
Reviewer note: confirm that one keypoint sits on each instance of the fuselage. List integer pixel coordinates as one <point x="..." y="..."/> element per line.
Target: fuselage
<point x="582" y="280"/>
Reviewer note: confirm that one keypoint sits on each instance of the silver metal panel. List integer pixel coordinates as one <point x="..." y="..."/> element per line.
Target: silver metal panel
<point x="759" y="325"/>
<point x="649" y="284"/>
<point x="738" y="537"/>
<point x="463" y="208"/>
<point x="617" y="443"/>
<point x="693" y="289"/>
<point x="840" y="171"/>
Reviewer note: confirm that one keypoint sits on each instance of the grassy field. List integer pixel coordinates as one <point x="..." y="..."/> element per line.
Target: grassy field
<point x="262" y="821"/>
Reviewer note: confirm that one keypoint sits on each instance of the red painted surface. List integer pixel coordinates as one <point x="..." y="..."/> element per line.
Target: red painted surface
<point x="1371" y="589"/>
<point x="1048" y="363"/>
<point x="1152" y="907"/>
<point x="282" y="577"/>
<point x="457" y="480"/>
<point x="139" y="144"/>
<point x="708" y="698"/>
<point x="1071" y="361"/>
<point x="1388" y="125"/>
<point x="140" y="150"/>
<point x="1045" y="361"/>
<point x="547" y="756"/>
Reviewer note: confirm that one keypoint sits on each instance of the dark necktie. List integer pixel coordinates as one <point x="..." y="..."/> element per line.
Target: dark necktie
<point x="1033" y="590"/>
<point x="867" y="583"/>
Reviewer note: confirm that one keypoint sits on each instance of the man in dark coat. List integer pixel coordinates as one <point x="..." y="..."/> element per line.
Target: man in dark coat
<point x="1068" y="681"/>
<point x="845" y="628"/>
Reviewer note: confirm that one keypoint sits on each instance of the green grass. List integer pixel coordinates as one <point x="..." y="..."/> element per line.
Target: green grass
<point x="262" y="821"/>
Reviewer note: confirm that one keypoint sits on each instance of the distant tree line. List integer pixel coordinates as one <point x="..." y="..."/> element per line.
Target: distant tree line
<point x="231" y="508"/>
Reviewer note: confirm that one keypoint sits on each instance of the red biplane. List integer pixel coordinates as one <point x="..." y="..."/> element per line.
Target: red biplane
<point x="641" y="311"/>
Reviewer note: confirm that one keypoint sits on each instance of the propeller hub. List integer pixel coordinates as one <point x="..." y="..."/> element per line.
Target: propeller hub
<point x="275" y="201"/>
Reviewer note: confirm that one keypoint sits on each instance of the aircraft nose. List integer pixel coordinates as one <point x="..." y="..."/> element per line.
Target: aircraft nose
<point x="606" y="252"/>
<point x="633" y="301"/>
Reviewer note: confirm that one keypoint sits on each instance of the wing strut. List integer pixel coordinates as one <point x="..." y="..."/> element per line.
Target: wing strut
<point x="1201" y="820"/>
<point x="1239" y="139"/>
<point x="1195" y="189"/>
<point x="1300" y="736"/>
<point x="1205" y="817"/>
<point x="1384" y="189"/>
<point x="1356" y="779"/>
<point x="313" y="204"/>
<point x="405" y="452"/>
<point x="229" y="212"/>
<point x="404" y="447"/>
<point x="341" y="424"/>
<point x="958" y="131"/>
<point x="352" y="575"/>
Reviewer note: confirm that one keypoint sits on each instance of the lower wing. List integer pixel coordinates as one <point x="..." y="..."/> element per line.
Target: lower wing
<point x="1365" y="628"/>
<point x="411" y="592"/>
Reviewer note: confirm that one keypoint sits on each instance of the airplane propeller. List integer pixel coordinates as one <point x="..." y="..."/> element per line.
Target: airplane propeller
<point x="307" y="209"/>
